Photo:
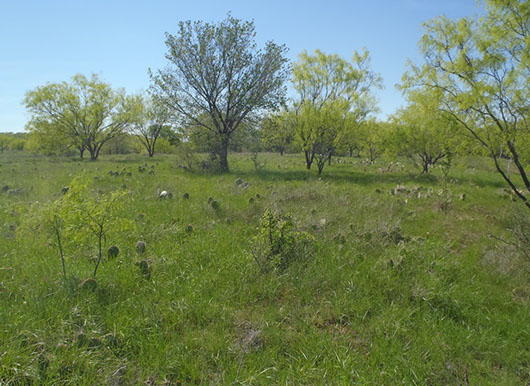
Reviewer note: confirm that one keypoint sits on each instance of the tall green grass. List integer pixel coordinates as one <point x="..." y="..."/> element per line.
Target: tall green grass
<point x="396" y="292"/>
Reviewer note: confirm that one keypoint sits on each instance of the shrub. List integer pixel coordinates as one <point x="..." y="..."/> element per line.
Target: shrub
<point x="81" y="218"/>
<point x="258" y="163"/>
<point x="277" y="242"/>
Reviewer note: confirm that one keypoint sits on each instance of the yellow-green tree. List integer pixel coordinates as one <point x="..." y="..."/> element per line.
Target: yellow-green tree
<point x="276" y="131"/>
<point x="85" y="113"/>
<point x="372" y="137"/>
<point x="480" y="70"/>
<point x="153" y="116"/>
<point x="5" y="142"/>
<point x="330" y="91"/>
<point x="422" y="132"/>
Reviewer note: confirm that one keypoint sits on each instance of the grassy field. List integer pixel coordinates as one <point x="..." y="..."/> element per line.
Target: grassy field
<point x="403" y="288"/>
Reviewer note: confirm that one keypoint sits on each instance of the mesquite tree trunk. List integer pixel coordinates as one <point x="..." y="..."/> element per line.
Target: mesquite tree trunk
<point x="223" y="155"/>
<point x="308" y="159"/>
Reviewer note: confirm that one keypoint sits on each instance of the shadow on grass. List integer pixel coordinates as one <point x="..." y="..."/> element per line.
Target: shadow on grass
<point x="368" y="178"/>
<point x="344" y="174"/>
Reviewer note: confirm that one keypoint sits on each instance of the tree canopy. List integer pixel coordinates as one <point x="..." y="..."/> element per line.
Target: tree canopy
<point x="422" y="132"/>
<point x="85" y="113"/>
<point x="152" y="122"/>
<point x="331" y="92"/>
<point x="217" y="78"/>
<point x="479" y="68"/>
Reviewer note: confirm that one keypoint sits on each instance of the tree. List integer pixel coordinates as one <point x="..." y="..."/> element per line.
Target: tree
<point x="123" y="143"/>
<point x="47" y="138"/>
<point x="206" y="141"/>
<point x="423" y="133"/>
<point x="169" y="134"/>
<point x="78" y="219"/>
<point x="331" y="91"/>
<point x="320" y="130"/>
<point x="86" y="113"/>
<point x="5" y="142"/>
<point x="372" y="137"/>
<point x="276" y="132"/>
<point x="480" y="68"/>
<point x="217" y="78"/>
<point x="18" y="142"/>
<point x="153" y="116"/>
<point x="351" y="141"/>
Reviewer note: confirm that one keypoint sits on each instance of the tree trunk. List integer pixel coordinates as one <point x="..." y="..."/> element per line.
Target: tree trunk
<point x="509" y="181"/>
<point x="517" y="162"/>
<point x="281" y="150"/>
<point x="100" y="253"/>
<point x="151" y="148"/>
<point x="373" y="155"/>
<point x="81" y="152"/>
<point x="94" y="153"/>
<point x="223" y="155"/>
<point x="321" y="162"/>
<point x="308" y="159"/>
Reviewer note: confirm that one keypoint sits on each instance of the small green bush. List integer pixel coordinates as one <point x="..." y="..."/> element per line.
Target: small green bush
<point x="277" y="242"/>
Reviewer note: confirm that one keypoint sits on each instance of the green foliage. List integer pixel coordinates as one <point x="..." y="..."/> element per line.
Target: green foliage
<point x="276" y="132"/>
<point x="18" y="144"/>
<point x="209" y="67"/>
<point x="169" y="134"/>
<point x="152" y="122"/>
<point x="46" y="139"/>
<point x="331" y="93"/>
<point x="121" y="144"/>
<point x="204" y="140"/>
<point x="81" y="219"/>
<point x="187" y="156"/>
<point x="97" y="212"/>
<point x="5" y="142"/>
<point x="163" y="146"/>
<point x="83" y="114"/>
<point x="423" y="133"/>
<point x="478" y="68"/>
<point x="278" y="243"/>
<point x="259" y="164"/>
<point x="372" y="138"/>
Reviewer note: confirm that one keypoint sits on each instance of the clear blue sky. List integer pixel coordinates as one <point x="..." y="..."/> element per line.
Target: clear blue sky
<point x="49" y="41"/>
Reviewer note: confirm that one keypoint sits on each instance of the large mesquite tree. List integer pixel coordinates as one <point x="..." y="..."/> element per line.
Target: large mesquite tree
<point x="217" y="78"/>
<point x="480" y="70"/>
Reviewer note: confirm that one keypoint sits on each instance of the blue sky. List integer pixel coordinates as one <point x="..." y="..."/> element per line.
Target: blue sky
<point x="49" y="41"/>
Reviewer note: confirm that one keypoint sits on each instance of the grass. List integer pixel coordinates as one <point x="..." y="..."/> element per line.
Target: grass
<point x="411" y="295"/>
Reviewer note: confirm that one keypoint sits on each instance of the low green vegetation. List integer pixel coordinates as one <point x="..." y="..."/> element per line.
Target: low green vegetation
<point x="372" y="273"/>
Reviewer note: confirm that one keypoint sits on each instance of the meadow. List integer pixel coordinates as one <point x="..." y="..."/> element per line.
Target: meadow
<point x="405" y="282"/>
